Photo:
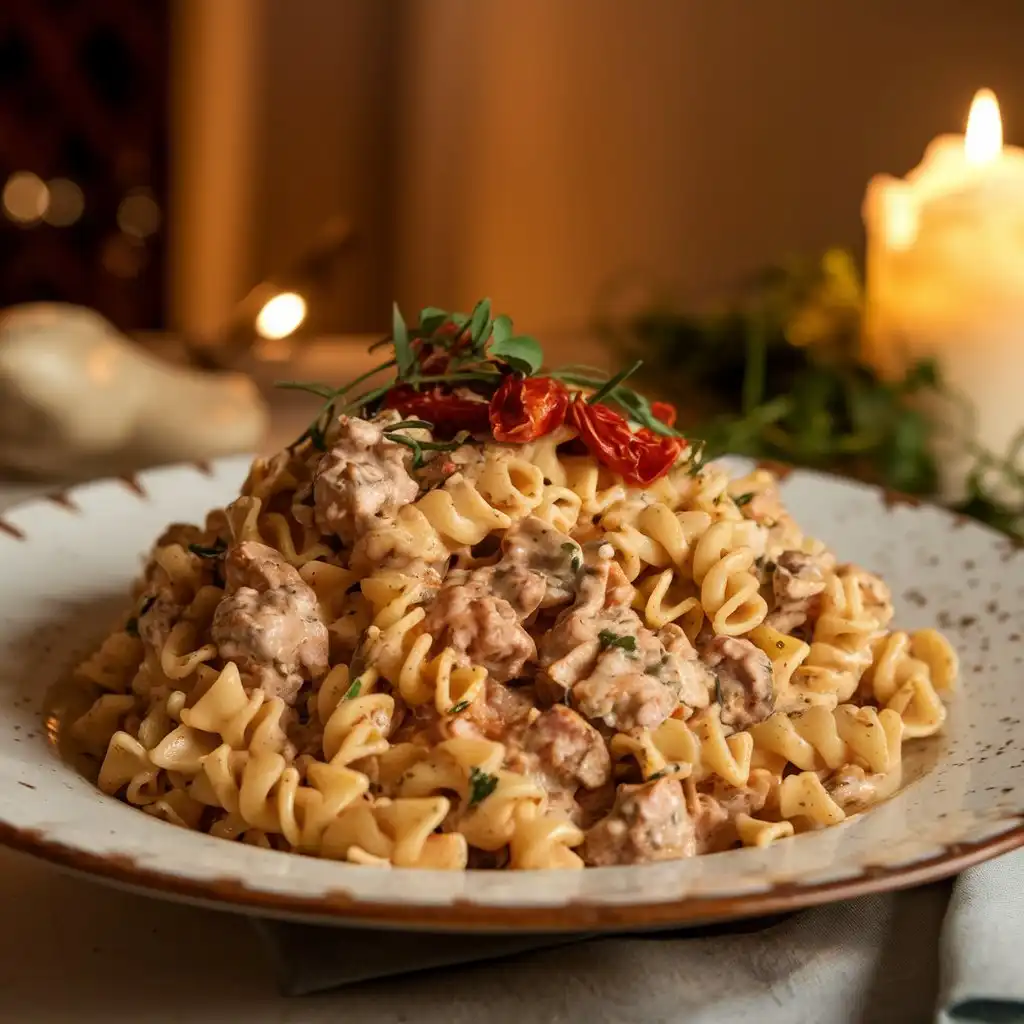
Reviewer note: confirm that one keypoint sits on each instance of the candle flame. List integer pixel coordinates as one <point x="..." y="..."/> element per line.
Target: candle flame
<point x="984" y="139"/>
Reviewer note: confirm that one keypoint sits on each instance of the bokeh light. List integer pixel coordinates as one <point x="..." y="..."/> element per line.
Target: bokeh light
<point x="281" y="315"/>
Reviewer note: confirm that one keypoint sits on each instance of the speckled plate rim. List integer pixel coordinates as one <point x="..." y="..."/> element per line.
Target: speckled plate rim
<point x="269" y="883"/>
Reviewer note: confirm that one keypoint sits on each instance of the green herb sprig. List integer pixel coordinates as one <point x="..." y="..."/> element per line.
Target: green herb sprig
<point x="481" y="785"/>
<point x="610" y="639"/>
<point x="478" y="350"/>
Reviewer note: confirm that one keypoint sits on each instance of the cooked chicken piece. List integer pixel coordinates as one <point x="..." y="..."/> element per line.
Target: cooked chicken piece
<point x="270" y="623"/>
<point x="362" y="480"/>
<point x="648" y="822"/>
<point x="744" y="686"/>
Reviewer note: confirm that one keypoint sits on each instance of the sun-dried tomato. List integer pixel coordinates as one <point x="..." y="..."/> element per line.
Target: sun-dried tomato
<point x="448" y="412"/>
<point x="525" y="408"/>
<point x="639" y="457"/>
<point x="664" y="411"/>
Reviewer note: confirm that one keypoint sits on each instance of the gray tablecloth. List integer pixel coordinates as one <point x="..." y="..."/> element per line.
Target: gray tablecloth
<point x="950" y="952"/>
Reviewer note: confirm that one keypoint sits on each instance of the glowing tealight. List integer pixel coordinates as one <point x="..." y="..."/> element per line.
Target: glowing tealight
<point x="282" y="315"/>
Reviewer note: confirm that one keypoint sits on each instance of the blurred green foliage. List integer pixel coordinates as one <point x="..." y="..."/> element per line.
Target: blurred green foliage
<point x="776" y="373"/>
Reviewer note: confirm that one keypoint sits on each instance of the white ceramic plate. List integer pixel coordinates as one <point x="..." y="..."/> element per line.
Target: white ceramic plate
<point x="66" y="563"/>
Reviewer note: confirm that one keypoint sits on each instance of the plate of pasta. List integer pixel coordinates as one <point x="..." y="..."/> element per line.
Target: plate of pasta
<point x="493" y="646"/>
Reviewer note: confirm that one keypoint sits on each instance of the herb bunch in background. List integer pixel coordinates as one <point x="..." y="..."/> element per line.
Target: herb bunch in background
<point x="775" y="373"/>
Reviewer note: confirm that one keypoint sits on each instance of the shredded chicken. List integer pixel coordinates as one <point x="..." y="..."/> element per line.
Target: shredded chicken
<point x="715" y="812"/>
<point x="361" y="480"/>
<point x="562" y="746"/>
<point x="269" y="622"/>
<point x="538" y="568"/>
<point x="619" y="671"/>
<point x="648" y="822"/>
<point x="482" y="628"/>
<point x="744" y="680"/>
<point x="797" y="580"/>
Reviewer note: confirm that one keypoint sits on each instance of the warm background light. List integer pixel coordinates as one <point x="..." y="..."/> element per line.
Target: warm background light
<point x="984" y="139"/>
<point x="66" y="203"/>
<point x="26" y="197"/>
<point x="281" y="315"/>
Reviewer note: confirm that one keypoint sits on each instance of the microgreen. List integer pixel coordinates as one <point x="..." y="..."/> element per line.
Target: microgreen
<point x="457" y="709"/>
<point x="353" y="691"/>
<point x="481" y="785"/>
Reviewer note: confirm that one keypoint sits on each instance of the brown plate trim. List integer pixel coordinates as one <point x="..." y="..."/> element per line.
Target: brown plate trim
<point x="464" y="915"/>
<point x="11" y="530"/>
<point x="64" y="500"/>
<point x="132" y="482"/>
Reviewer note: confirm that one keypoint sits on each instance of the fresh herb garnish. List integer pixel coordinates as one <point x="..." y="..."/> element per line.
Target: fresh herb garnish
<point x="573" y="551"/>
<point x="219" y="546"/>
<point x="353" y="691"/>
<point x="636" y="407"/>
<point x="744" y="499"/>
<point x="698" y="459"/>
<point x="131" y="627"/>
<point x="419" y="447"/>
<point x="522" y="353"/>
<point x="147" y="604"/>
<point x="457" y="709"/>
<point x="613" y="382"/>
<point x="657" y="775"/>
<point x="481" y="785"/>
<point x="404" y="355"/>
<point x="610" y="639"/>
<point x="480" y="323"/>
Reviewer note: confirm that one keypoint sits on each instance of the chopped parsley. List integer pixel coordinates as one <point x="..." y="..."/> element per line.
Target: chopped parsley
<point x="353" y="691"/>
<point x="744" y="499"/>
<point x="457" y="709"/>
<point x="219" y="546"/>
<point x="573" y="553"/>
<point x="481" y="785"/>
<point x="657" y="775"/>
<point x="610" y="639"/>
<point x="147" y="604"/>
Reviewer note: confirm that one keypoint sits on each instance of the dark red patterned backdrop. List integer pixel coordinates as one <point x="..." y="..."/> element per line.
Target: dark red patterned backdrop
<point x="83" y="148"/>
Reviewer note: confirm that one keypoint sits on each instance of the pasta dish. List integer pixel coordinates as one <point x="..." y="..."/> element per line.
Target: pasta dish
<point x="486" y="615"/>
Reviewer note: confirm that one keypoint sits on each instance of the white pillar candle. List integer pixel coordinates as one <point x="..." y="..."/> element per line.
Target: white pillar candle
<point x="945" y="278"/>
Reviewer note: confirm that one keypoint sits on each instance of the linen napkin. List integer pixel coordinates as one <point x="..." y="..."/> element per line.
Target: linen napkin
<point x="949" y="952"/>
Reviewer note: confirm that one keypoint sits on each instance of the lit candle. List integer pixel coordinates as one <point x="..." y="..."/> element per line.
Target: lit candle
<point x="945" y="278"/>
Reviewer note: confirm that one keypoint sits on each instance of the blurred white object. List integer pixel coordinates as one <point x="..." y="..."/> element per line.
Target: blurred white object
<point x="79" y="399"/>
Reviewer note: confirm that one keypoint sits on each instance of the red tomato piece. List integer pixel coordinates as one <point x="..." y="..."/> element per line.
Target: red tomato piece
<point x="664" y="411"/>
<point x="639" y="457"/>
<point x="524" y="409"/>
<point x="448" y="412"/>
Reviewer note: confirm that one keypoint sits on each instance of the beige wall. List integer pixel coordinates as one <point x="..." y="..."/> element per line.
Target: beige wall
<point x="530" y="149"/>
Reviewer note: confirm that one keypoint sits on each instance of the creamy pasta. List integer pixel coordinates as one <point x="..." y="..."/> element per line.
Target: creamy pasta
<point x="399" y="647"/>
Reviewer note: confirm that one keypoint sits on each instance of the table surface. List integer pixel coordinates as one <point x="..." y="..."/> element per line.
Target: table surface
<point x="87" y="952"/>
